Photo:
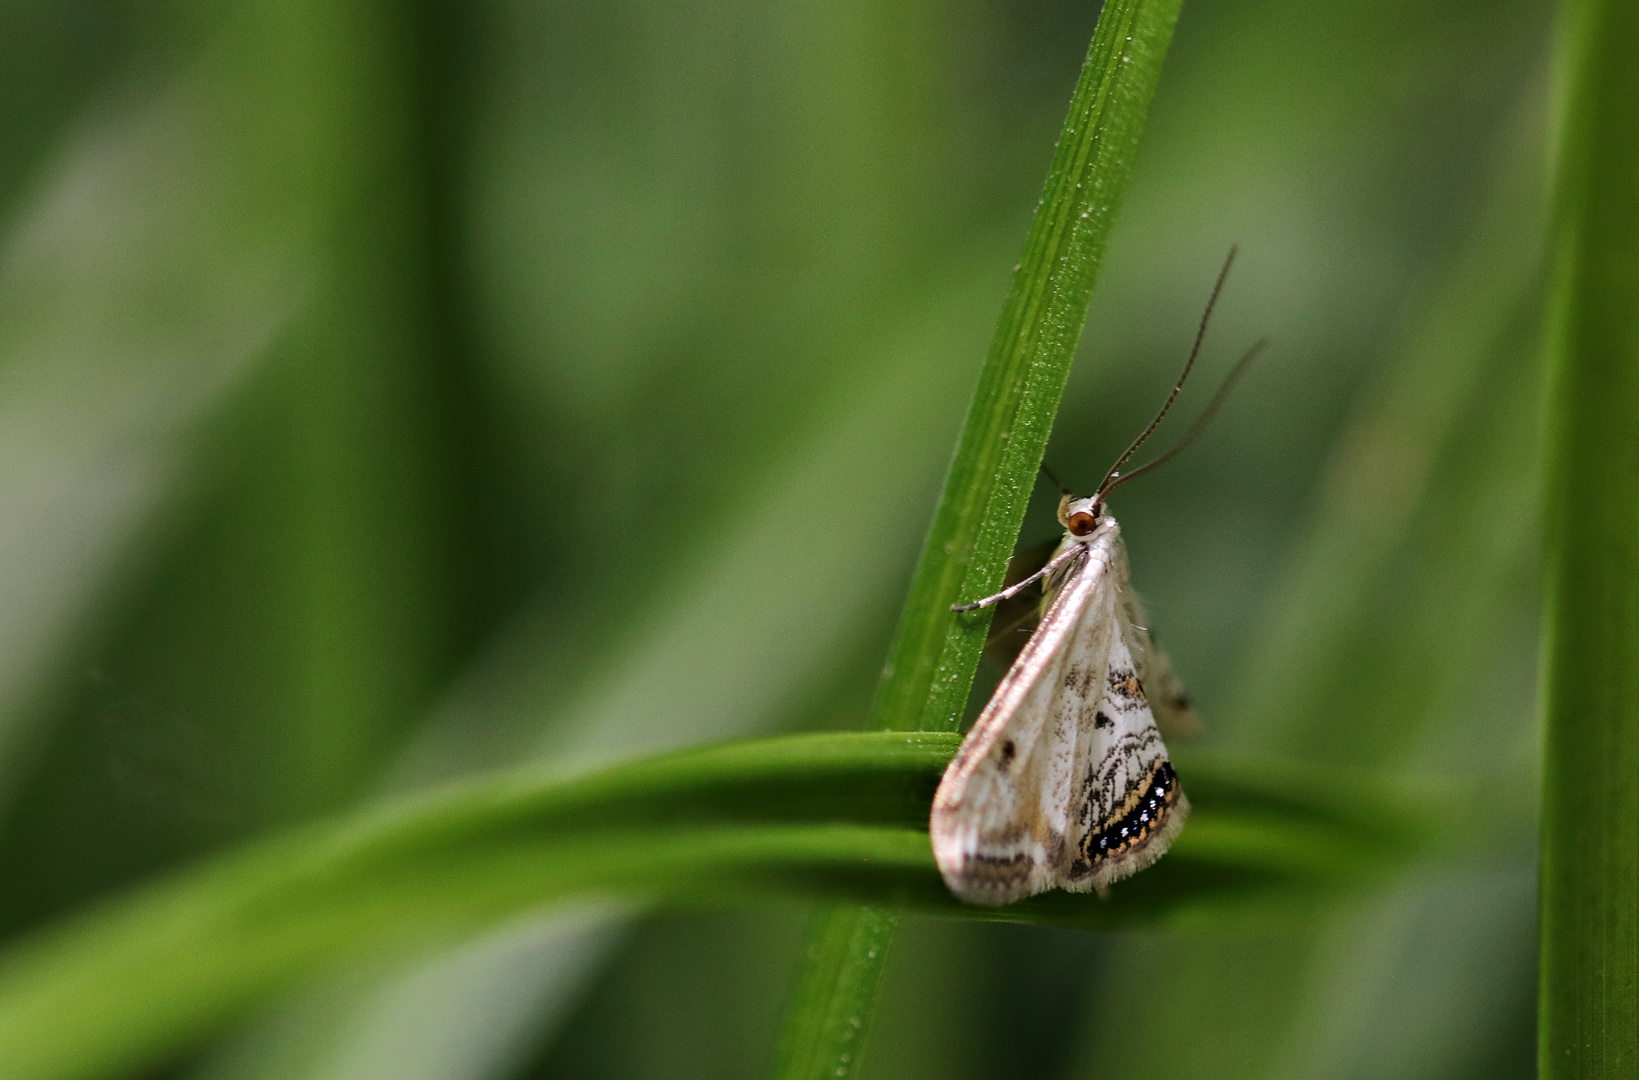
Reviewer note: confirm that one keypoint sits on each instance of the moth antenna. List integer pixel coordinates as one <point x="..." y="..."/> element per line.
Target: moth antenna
<point x="1201" y="421"/>
<point x="1114" y="474"/>
<point x="1045" y="471"/>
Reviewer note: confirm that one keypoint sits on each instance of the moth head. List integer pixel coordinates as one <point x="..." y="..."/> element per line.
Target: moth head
<point x="1080" y="515"/>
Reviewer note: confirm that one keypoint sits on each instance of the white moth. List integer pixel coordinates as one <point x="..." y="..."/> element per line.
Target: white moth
<point x="1064" y="780"/>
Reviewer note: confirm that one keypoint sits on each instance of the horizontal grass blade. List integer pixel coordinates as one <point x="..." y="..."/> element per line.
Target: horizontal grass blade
<point x="841" y="816"/>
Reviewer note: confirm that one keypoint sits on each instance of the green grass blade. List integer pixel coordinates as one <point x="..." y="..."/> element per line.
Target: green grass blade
<point x="836" y="993"/>
<point x="935" y="654"/>
<point x="1590" y="807"/>
<point x="839" y="816"/>
<point x="830" y="1014"/>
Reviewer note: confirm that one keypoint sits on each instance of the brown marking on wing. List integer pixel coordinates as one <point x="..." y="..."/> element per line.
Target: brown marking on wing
<point x="1002" y="873"/>
<point x="1080" y="680"/>
<point x="1124" y="685"/>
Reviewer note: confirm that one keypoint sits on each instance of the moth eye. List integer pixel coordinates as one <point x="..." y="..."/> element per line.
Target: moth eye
<point x="1081" y="523"/>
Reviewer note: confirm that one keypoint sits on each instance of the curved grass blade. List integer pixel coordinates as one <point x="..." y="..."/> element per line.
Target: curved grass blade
<point x="836" y="816"/>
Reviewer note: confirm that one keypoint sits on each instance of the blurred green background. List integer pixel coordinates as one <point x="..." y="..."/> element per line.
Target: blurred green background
<point x="392" y="391"/>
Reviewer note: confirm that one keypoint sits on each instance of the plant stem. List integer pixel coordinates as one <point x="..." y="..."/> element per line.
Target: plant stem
<point x="935" y="653"/>
<point x="828" y="1021"/>
<point x="1590" y="828"/>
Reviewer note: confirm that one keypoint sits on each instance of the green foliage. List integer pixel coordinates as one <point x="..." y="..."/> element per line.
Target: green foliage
<point x="390" y="396"/>
<point x="1590" y="827"/>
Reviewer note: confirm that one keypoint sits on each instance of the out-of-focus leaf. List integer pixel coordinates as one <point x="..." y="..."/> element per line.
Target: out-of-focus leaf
<point x="214" y="320"/>
<point x="132" y="297"/>
<point x="727" y="656"/>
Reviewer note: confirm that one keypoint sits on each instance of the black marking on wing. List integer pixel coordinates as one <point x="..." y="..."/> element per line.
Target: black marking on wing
<point x="1134" y="821"/>
<point x="1105" y="789"/>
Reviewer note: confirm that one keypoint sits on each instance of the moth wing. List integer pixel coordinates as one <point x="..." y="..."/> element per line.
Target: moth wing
<point x="1003" y="820"/>
<point x="1174" y="715"/>
<point x="1129" y="806"/>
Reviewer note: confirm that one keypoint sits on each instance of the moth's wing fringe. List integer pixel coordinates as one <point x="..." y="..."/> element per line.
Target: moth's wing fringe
<point x="975" y="889"/>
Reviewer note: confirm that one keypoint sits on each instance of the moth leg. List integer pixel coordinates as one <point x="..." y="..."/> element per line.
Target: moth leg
<point x="1008" y="593"/>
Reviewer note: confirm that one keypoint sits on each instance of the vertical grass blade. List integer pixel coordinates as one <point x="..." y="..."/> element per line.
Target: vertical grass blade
<point x="931" y="665"/>
<point x="1590" y="830"/>
<point x="934" y="655"/>
<point x="829" y="1018"/>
